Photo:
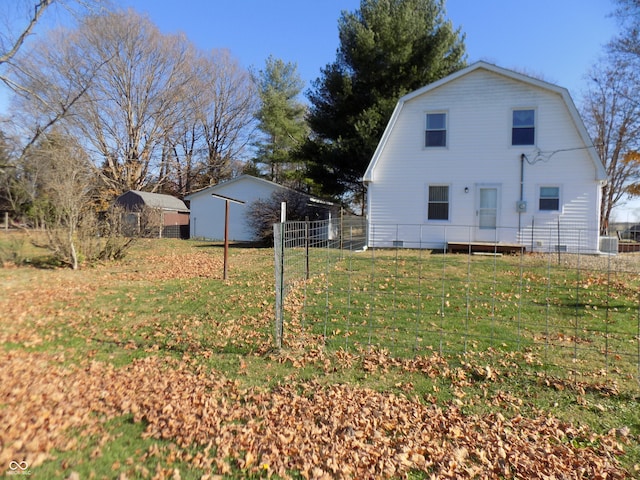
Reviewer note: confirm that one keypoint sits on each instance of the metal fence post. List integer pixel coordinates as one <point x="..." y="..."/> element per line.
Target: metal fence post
<point x="278" y="238"/>
<point x="307" y="240"/>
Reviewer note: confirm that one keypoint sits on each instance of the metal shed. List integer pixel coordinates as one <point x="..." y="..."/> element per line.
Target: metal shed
<point x="167" y="215"/>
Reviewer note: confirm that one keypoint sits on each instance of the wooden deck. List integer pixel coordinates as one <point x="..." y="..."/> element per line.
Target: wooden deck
<point x="628" y="247"/>
<point x="485" y="247"/>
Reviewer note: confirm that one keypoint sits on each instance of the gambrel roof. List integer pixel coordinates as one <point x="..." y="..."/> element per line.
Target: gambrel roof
<point x="534" y="82"/>
<point x="160" y="201"/>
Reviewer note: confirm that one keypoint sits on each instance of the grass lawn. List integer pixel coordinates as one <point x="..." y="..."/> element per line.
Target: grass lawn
<point x="582" y="318"/>
<point x="154" y="367"/>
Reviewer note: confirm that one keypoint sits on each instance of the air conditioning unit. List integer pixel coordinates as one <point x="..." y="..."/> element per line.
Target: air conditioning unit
<point x="609" y="245"/>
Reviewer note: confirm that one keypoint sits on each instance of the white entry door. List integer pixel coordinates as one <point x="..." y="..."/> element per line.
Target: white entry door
<point x="487" y="210"/>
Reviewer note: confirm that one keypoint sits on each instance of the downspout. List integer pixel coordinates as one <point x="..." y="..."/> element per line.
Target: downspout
<point x="365" y="210"/>
<point x="522" y="156"/>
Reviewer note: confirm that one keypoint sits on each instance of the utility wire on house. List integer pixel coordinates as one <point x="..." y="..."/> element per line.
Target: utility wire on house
<point x="542" y="156"/>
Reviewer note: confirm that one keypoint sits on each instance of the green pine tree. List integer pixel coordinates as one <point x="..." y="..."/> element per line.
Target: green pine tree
<point x="387" y="49"/>
<point x="281" y="120"/>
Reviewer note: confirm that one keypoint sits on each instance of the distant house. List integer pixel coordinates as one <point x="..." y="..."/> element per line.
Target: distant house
<point x="208" y="210"/>
<point x="155" y="214"/>
<point x="631" y="233"/>
<point x="485" y="155"/>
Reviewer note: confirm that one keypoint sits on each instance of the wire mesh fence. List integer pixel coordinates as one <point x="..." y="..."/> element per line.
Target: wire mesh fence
<point x="301" y="249"/>
<point x="574" y="313"/>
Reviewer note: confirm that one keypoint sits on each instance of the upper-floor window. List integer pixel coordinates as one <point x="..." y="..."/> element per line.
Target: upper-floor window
<point x="436" y="130"/>
<point x="523" y="131"/>
<point x="438" y="203"/>
<point x="549" y="199"/>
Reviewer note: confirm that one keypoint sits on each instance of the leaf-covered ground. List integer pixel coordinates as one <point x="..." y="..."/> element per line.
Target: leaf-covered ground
<point x="321" y="431"/>
<point x="317" y="417"/>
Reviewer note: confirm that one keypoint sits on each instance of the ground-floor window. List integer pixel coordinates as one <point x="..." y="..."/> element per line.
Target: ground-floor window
<point x="549" y="199"/>
<point x="438" y="203"/>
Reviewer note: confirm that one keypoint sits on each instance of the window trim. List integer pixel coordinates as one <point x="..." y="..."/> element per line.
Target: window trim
<point x="427" y="203"/>
<point x="446" y="129"/>
<point x="539" y="195"/>
<point x="535" y="126"/>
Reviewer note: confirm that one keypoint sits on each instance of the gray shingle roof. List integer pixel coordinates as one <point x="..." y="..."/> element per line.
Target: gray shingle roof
<point x="158" y="200"/>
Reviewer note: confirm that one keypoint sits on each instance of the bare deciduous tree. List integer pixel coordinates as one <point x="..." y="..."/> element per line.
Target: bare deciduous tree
<point x="66" y="188"/>
<point x="263" y="213"/>
<point x="19" y="19"/>
<point x="208" y="143"/>
<point x="613" y="118"/>
<point x="18" y="22"/>
<point x="19" y="188"/>
<point x="227" y="113"/>
<point x="183" y="157"/>
<point x="137" y="97"/>
<point x="183" y="166"/>
<point x="134" y="81"/>
<point x="52" y="82"/>
<point x="150" y="111"/>
<point x="626" y="46"/>
<point x="611" y="110"/>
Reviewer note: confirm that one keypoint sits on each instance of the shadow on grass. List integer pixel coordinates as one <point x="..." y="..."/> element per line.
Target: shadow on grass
<point x="176" y="348"/>
<point x="43" y="262"/>
<point x="236" y="245"/>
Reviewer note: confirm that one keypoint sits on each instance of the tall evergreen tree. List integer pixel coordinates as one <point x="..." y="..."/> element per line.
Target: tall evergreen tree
<point x="281" y="120"/>
<point x="387" y="49"/>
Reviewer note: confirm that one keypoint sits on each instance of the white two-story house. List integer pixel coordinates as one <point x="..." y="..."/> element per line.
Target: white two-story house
<point x="485" y="155"/>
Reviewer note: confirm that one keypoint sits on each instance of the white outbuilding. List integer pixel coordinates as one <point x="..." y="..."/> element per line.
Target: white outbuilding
<point x="208" y="210"/>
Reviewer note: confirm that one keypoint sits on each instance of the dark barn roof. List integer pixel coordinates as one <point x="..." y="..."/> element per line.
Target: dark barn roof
<point x="136" y="199"/>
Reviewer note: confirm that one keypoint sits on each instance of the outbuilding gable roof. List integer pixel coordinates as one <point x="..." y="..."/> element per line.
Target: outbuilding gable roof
<point x="227" y="183"/>
<point x="563" y="92"/>
<point x="155" y="200"/>
<point x="250" y="178"/>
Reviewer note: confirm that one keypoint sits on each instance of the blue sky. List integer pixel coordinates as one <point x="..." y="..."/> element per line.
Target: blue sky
<point x="555" y="39"/>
